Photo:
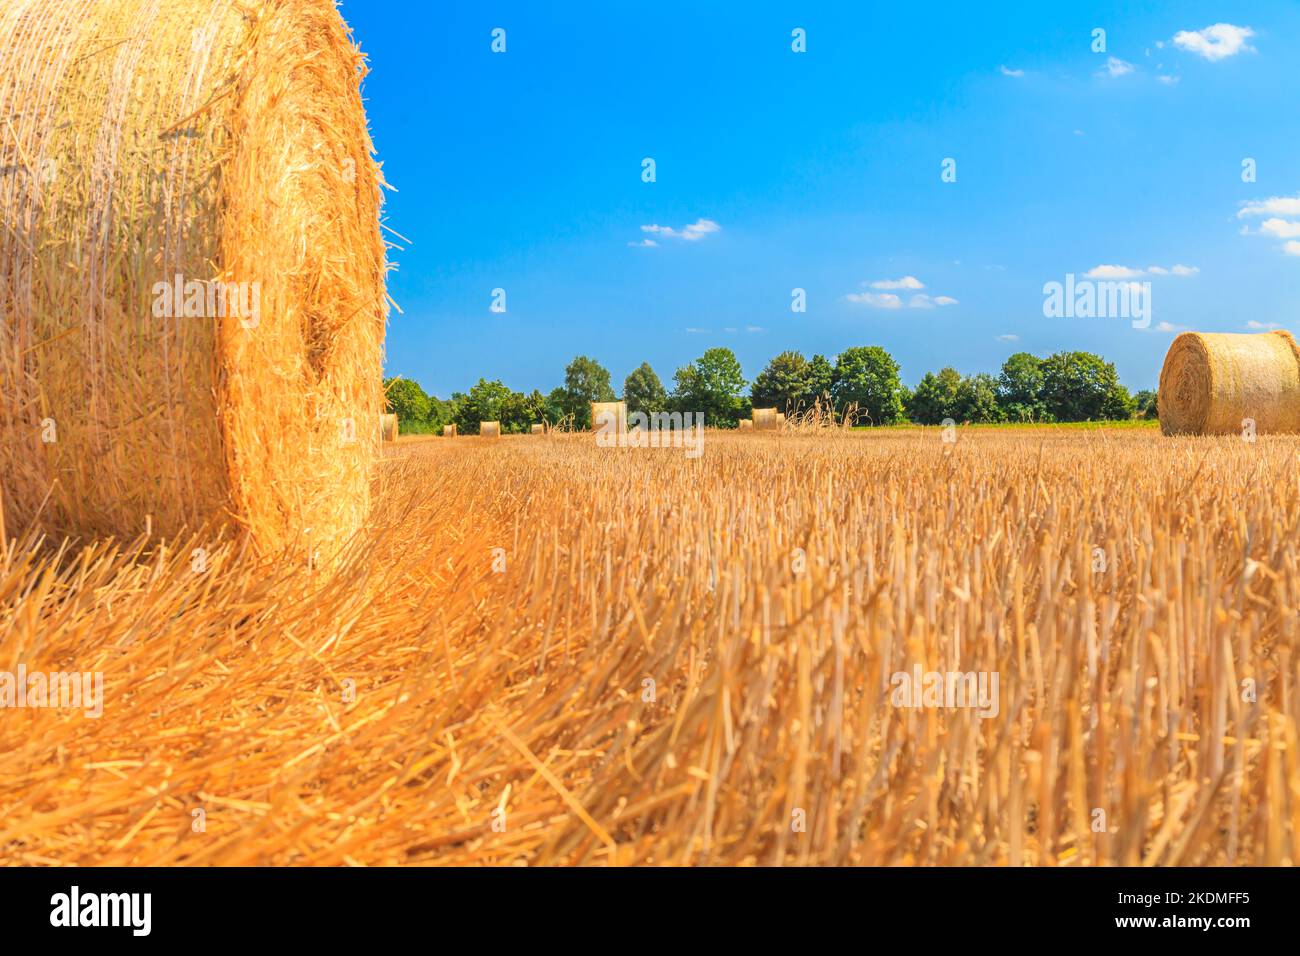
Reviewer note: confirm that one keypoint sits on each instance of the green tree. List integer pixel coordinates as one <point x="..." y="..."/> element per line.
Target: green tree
<point x="537" y="409"/>
<point x="585" y="381"/>
<point x="820" y="378"/>
<point x="1080" y="386"/>
<point x="783" y="385"/>
<point x="557" y="404"/>
<point x="868" y="377"/>
<point x="936" y="397"/>
<point x="408" y="401"/>
<point x="440" y="413"/>
<point x="486" y="402"/>
<point x="977" y="399"/>
<point x="714" y="385"/>
<point x="1020" y="388"/>
<point x="1119" y="406"/>
<point x="643" y="391"/>
<point x="1145" y="404"/>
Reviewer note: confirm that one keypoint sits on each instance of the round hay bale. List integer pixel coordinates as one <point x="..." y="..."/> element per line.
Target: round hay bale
<point x="746" y="424"/>
<point x="1212" y="382"/>
<point x="537" y="430"/>
<point x="448" y="431"/>
<point x="765" y="419"/>
<point x="192" y="299"/>
<point x="489" y="429"/>
<point x="388" y="427"/>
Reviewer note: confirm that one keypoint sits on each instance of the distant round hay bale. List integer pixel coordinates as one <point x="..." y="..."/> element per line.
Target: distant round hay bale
<point x="746" y="424"/>
<point x="388" y="427"/>
<point x="765" y="419"/>
<point x="192" y="300"/>
<point x="448" y="431"/>
<point x="489" y="429"/>
<point x="1213" y="382"/>
<point x="537" y="430"/>
<point x="610" y="415"/>
<point x="780" y="419"/>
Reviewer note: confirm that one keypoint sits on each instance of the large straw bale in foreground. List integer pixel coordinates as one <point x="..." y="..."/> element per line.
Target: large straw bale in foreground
<point x="1212" y="382"/>
<point x="191" y="270"/>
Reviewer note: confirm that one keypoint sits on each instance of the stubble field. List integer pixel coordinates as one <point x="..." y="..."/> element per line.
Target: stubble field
<point x="546" y="652"/>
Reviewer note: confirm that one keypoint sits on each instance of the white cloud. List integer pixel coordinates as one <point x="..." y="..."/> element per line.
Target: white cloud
<point x="731" y="330"/>
<point x="882" y="300"/>
<point x="1112" y="272"/>
<point x="754" y="328"/>
<point x="1262" y="326"/>
<point x="1217" y="42"/>
<point x="644" y="244"/>
<point x="1116" y="67"/>
<point x="692" y="233"/>
<point x="694" y="331"/>
<point x="1282" y="228"/>
<point x="1116" y="272"/>
<point x="923" y="301"/>
<point x="1168" y="80"/>
<point x="888" y="300"/>
<point x="1008" y="338"/>
<point x="907" y="282"/>
<point x="1272" y="206"/>
<point x="1007" y="71"/>
<point x="1275" y="207"/>
<point x="1166" y="327"/>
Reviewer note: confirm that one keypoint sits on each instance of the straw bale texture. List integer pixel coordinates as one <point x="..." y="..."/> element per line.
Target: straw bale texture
<point x="209" y="145"/>
<point x="448" y="431"/>
<point x="538" y="430"/>
<point x="765" y="419"/>
<point x="490" y="429"/>
<point x="1211" y="382"/>
<point x="746" y="424"/>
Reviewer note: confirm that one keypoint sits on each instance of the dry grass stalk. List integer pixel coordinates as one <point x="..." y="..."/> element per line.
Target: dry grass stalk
<point x="821" y="417"/>
<point x="771" y="614"/>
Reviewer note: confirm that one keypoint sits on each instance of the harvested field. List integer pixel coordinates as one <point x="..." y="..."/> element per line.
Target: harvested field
<point x="1135" y="595"/>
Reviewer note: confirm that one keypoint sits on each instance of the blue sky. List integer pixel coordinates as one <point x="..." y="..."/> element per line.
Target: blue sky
<point x="822" y="170"/>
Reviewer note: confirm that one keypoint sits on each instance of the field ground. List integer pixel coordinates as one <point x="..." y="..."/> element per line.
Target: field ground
<point x="677" y="661"/>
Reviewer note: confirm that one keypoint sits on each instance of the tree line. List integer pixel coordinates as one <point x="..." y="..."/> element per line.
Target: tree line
<point x="1063" y="387"/>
